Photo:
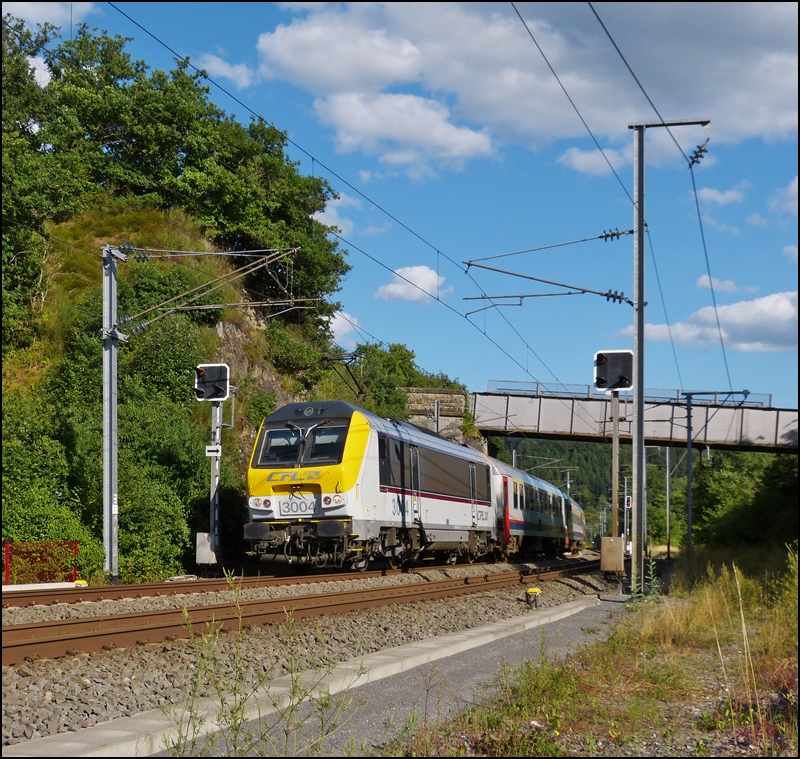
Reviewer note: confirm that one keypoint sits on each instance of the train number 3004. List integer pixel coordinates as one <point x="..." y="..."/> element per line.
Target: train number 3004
<point x="296" y="508"/>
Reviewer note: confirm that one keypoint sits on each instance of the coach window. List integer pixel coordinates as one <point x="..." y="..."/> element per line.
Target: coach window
<point x="443" y="474"/>
<point x="384" y="469"/>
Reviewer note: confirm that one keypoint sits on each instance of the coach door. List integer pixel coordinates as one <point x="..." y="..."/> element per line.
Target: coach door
<point x="506" y="515"/>
<point x="414" y="482"/>
<point x="473" y="495"/>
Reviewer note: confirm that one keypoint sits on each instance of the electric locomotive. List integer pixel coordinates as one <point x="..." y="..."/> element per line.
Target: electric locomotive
<point x="331" y="483"/>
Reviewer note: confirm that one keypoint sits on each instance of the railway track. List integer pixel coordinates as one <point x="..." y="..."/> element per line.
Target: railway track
<point x="49" y="596"/>
<point x="70" y="637"/>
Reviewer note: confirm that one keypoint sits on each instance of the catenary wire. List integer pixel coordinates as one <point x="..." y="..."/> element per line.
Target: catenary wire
<point x="694" y="189"/>
<point x="348" y="184"/>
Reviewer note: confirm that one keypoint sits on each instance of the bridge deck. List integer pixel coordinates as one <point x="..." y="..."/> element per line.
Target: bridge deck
<point x="587" y="416"/>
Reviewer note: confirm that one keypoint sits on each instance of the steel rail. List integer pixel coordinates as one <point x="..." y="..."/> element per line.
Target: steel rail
<point x="49" y="596"/>
<point x="72" y="636"/>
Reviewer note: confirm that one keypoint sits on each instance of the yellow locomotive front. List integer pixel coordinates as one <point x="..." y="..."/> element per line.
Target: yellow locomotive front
<point x="304" y="484"/>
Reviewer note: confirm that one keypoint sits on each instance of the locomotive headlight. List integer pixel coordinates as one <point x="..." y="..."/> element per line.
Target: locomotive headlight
<point x="259" y="503"/>
<point x="332" y="501"/>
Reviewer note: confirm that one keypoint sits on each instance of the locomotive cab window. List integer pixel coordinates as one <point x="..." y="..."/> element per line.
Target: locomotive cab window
<point x="294" y="445"/>
<point x="326" y="445"/>
<point x="279" y="447"/>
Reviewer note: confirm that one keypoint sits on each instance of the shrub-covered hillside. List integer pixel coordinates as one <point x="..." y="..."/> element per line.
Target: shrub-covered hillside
<point x="109" y="152"/>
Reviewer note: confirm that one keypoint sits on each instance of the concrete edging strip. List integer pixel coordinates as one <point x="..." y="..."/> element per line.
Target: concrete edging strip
<point x="149" y="732"/>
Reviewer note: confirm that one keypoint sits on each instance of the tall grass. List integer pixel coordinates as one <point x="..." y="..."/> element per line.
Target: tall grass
<point x="728" y="639"/>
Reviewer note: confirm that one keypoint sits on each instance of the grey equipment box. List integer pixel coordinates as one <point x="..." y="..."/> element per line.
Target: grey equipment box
<point x="612" y="554"/>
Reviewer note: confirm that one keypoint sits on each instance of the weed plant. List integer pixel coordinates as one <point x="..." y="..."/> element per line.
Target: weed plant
<point x="280" y="708"/>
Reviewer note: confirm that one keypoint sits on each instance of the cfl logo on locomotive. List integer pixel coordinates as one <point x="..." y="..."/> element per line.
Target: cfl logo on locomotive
<point x="294" y="476"/>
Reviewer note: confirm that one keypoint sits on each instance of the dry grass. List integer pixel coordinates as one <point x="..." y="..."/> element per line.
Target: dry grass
<point x="725" y="649"/>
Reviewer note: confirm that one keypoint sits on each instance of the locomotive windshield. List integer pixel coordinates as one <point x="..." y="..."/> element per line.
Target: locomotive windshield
<point x="293" y="445"/>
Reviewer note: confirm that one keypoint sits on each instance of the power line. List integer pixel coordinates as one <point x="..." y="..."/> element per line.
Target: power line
<point x="664" y="305"/>
<point x="701" y="149"/>
<point x="606" y="236"/>
<point x="636" y="79"/>
<point x="458" y="313"/>
<point x="710" y="278"/>
<point x="572" y="102"/>
<point x="349" y="185"/>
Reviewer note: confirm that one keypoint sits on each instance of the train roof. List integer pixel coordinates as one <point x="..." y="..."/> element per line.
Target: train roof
<point x="405" y="431"/>
<point x="501" y="467"/>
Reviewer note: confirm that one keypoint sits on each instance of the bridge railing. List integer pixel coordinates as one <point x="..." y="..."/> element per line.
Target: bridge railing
<point x="651" y="395"/>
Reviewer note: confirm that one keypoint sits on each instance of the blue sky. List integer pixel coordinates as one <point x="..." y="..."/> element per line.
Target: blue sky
<point x="453" y="141"/>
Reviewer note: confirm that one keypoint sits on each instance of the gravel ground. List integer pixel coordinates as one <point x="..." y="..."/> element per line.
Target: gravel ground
<point x="48" y="696"/>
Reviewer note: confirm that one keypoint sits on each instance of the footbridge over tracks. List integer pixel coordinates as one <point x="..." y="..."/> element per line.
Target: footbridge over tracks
<point x="579" y="412"/>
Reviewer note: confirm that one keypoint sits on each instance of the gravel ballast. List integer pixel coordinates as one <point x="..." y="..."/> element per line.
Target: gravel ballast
<point x="47" y="696"/>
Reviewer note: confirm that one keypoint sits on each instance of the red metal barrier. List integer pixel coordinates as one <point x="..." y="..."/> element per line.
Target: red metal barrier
<point x="40" y="561"/>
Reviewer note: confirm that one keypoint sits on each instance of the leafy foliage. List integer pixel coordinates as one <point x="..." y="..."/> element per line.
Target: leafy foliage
<point x="38" y="503"/>
<point x="383" y="372"/>
<point x="746" y="499"/>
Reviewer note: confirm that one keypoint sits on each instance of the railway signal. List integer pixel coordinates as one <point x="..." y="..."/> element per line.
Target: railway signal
<point x="212" y="382"/>
<point x="613" y="370"/>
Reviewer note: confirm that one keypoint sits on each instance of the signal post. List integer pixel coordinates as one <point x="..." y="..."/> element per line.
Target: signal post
<point x="212" y="383"/>
<point x="613" y="371"/>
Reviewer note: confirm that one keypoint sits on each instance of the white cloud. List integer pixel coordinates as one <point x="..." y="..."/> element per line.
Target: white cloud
<point x="371" y="231"/>
<point x="791" y="252"/>
<point x="240" y="74"/>
<point x="785" y="200"/>
<point x="342" y="325"/>
<point x="478" y="64"/>
<point x="414" y="283"/>
<point x="720" y="285"/>
<point x="720" y="198"/>
<point x="331" y="216"/>
<point x="406" y="130"/>
<point x="57" y="14"/>
<point x="592" y="161"/>
<point x="767" y="324"/>
<point x="757" y="220"/>
<point x="332" y="51"/>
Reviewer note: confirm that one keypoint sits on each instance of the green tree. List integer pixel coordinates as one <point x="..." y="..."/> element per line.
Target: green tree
<point x="156" y="136"/>
<point x="745" y="499"/>
<point x="40" y="184"/>
<point x="382" y="372"/>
